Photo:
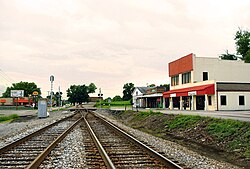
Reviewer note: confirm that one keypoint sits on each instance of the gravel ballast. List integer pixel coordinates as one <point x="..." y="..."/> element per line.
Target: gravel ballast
<point x="10" y="132"/>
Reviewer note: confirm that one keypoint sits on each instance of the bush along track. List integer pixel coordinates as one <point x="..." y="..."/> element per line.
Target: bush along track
<point x="222" y="139"/>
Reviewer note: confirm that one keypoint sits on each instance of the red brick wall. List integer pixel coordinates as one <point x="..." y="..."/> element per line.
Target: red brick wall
<point x="184" y="64"/>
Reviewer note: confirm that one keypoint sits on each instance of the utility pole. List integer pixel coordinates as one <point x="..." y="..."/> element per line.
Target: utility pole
<point x="100" y="95"/>
<point x="51" y="91"/>
<point x="59" y="97"/>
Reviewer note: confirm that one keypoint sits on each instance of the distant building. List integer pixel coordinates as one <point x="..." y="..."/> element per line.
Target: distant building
<point x="14" y="101"/>
<point x="95" y="99"/>
<point x="148" y="97"/>
<point x="137" y="100"/>
<point x="203" y="83"/>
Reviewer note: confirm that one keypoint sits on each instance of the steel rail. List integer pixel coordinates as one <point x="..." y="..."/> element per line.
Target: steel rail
<point x="21" y="140"/>
<point x="149" y="150"/>
<point x="103" y="153"/>
<point x="35" y="164"/>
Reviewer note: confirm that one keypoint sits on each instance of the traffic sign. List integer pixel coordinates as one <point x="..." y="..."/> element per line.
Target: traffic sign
<point x="35" y="93"/>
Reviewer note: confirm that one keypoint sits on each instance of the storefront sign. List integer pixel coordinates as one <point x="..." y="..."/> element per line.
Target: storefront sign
<point x="192" y="93"/>
<point x="173" y="95"/>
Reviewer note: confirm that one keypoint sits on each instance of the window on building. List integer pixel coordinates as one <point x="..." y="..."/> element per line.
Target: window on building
<point x="241" y="100"/>
<point x="209" y="100"/>
<point x="223" y="100"/>
<point x="186" y="77"/>
<point x="175" y="80"/>
<point x="136" y="93"/>
<point x="205" y="76"/>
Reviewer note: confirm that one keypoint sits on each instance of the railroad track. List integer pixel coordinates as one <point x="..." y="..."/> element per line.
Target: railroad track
<point x="31" y="150"/>
<point x="120" y="150"/>
<point x="105" y="146"/>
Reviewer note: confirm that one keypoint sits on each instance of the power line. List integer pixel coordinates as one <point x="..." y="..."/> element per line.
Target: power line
<point x="3" y="74"/>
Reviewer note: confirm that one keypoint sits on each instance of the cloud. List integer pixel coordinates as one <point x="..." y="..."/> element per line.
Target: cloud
<point x="111" y="42"/>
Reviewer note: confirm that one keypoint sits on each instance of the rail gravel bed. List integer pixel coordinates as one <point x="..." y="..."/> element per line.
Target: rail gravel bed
<point x="10" y="132"/>
<point x="175" y="151"/>
<point x="70" y="153"/>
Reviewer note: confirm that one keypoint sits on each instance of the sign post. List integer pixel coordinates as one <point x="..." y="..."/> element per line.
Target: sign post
<point x="16" y="94"/>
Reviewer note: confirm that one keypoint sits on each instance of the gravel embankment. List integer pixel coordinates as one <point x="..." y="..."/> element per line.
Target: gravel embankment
<point x="173" y="150"/>
<point x="10" y="132"/>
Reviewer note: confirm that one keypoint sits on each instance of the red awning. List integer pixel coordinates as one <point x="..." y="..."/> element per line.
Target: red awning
<point x="3" y="101"/>
<point x="196" y="90"/>
<point x="23" y="101"/>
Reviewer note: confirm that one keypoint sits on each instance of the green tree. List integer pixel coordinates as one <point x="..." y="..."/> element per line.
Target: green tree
<point x="80" y="93"/>
<point x="91" y="88"/>
<point x="167" y="86"/>
<point x="242" y="39"/>
<point x="28" y="88"/>
<point x="117" y="98"/>
<point x="107" y="99"/>
<point x="228" y="56"/>
<point x="151" y="85"/>
<point x="127" y="91"/>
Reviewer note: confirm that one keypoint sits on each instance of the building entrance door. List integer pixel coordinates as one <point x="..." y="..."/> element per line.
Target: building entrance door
<point x="176" y="102"/>
<point x="200" y="102"/>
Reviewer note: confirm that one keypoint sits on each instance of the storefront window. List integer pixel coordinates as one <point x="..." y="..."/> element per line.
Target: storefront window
<point x="175" y="80"/>
<point x="241" y="100"/>
<point x="205" y="76"/>
<point x="223" y="100"/>
<point x="209" y="100"/>
<point x="186" y="77"/>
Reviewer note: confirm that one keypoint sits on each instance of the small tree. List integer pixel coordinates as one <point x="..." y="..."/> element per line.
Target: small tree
<point x="242" y="39"/>
<point x="166" y="86"/>
<point x="117" y="98"/>
<point x="80" y="93"/>
<point x="242" y="42"/>
<point x="151" y="85"/>
<point x="228" y="56"/>
<point x="127" y="91"/>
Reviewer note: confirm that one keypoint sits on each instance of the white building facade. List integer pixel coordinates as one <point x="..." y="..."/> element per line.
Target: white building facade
<point x="136" y="96"/>
<point x="203" y="83"/>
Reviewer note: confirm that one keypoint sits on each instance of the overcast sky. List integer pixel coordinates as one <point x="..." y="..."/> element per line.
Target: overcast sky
<point x="110" y="42"/>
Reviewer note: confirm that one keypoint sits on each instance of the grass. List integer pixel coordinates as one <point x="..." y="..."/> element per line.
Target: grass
<point x="8" y="118"/>
<point x="14" y="108"/>
<point x="232" y="134"/>
<point x="237" y="133"/>
<point x="145" y="114"/>
<point x="222" y="129"/>
<point x="113" y="104"/>
<point x="183" y="121"/>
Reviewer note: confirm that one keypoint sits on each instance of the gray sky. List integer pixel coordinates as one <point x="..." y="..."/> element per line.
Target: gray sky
<point x="110" y="42"/>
